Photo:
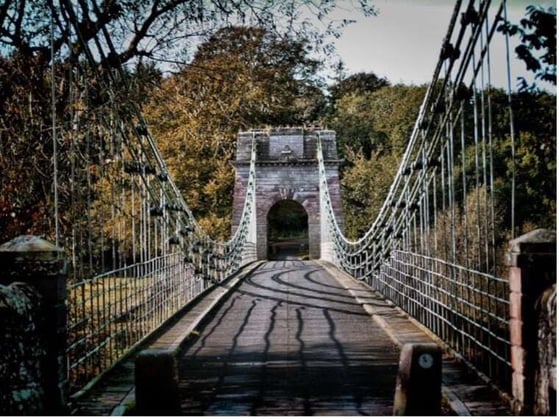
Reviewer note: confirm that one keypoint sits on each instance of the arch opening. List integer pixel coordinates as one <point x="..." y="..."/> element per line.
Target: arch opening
<point x="288" y="231"/>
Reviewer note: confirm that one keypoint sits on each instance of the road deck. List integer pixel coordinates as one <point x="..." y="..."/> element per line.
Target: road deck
<point x="291" y="340"/>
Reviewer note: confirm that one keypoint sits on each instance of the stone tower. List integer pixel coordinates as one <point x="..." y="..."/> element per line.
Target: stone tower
<point x="287" y="169"/>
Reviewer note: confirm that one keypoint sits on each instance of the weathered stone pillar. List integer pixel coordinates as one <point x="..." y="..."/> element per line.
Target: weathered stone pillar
<point x="21" y="351"/>
<point x="532" y="269"/>
<point x="40" y="264"/>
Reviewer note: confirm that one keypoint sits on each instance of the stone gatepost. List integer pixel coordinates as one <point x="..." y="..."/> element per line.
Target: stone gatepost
<point x="42" y="266"/>
<point x="532" y="269"/>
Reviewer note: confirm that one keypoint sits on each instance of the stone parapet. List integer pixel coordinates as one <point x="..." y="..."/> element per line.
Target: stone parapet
<point x="286" y="144"/>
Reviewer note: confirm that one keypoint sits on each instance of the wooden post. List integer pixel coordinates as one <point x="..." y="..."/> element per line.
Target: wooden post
<point x="532" y="269"/>
<point x="157" y="383"/>
<point x="418" y="385"/>
<point x="40" y="264"/>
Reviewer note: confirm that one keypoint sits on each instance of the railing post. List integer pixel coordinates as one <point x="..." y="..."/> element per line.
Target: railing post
<point x="531" y="259"/>
<point x="40" y="264"/>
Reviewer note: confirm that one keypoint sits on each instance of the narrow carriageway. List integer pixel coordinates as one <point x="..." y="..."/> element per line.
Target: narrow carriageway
<point x="291" y="340"/>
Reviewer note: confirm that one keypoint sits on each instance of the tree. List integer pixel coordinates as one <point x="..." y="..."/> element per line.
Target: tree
<point x="535" y="160"/>
<point x="270" y="79"/>
<point x="242" y="77"/>
<point x="82" y="107"/>
<point x="372" y="129"/>
<point x="365" y="184"/>
<point x="359" y="83"/>
<point x="122" y="34"/>
<point x="153" y="29"/>
<point x="24" y="194"/>
<point x="538" y="48"/>
<point x="375" y="120"/>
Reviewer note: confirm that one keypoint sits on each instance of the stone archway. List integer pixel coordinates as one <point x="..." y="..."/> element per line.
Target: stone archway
<point x="288" y="230"/>
<point x="286" y="169"/>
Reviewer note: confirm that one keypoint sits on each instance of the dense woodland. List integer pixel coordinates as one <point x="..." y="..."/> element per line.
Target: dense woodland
<point x="245" y="76"/>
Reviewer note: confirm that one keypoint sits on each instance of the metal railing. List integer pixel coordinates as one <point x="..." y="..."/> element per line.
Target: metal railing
<point x="468" y="310"/>
<point x="436" y="246"/>
<point x="137" y="254"/>
<point x="112" y="312"/>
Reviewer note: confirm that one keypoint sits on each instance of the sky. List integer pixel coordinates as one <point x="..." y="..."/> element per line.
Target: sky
<point x="402" y="43"/>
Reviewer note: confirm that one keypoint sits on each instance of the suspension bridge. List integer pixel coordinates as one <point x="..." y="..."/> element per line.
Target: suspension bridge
<point x="145" y="287"/>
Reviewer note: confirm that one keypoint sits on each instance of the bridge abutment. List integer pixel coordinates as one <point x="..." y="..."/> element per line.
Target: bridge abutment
<point x="532" y="271"/>
<point x="287" y="169"/>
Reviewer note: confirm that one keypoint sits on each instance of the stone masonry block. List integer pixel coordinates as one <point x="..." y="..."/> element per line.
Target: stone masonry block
<point x="515" y="326"/>
<point x="515" y="279"/>
<point x="515" y="306"/>
<point x="518" y="357"/>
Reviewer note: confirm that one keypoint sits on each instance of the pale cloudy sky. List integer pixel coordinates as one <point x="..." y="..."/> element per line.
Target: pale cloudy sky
<point x="403" y="42"/>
